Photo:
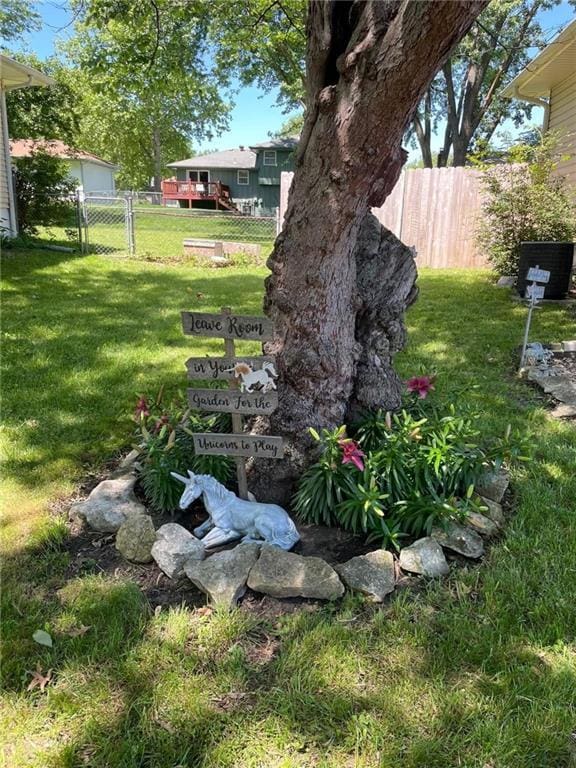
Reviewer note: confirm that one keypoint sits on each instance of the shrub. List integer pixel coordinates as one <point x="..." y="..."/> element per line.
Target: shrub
<point x="415" y="469"/>
<point x="525" y="202"/>
<point x="42" y="189"/>
<point x="166" y="445"/>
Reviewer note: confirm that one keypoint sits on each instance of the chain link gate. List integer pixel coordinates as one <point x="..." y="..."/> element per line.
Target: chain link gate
<point x="107" y="225"/>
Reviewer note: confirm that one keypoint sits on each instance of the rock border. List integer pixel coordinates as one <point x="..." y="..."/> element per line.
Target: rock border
<point x="554" y="379"/>
<point x="224" y="576"/>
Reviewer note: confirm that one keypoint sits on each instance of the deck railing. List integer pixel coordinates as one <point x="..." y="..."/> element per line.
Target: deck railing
<point x="195" y="189"/>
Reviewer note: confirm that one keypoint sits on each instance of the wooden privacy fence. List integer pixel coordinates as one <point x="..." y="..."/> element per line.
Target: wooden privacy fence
<point x="434" y="209"/>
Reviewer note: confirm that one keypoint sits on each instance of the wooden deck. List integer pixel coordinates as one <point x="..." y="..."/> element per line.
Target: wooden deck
<point x="196" y="191"/>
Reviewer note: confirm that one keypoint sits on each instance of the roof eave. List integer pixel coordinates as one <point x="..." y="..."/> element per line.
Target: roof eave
<point x="29" y="77"/>
<point x="519" y="87"/>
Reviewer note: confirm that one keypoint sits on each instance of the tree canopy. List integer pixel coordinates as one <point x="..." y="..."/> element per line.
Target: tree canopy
<point x="150" y="88"/>
<point x="464" y="98"/>
<point x="46" y="113"/>
<point x="17" y="18"/>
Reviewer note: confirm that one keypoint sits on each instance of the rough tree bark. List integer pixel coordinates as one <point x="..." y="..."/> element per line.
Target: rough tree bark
<point x="157" y="159"/>
<point x="339" y="285"/>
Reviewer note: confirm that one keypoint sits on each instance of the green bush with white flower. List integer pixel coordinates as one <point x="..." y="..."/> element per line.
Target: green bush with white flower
<point x="401" y="474"/>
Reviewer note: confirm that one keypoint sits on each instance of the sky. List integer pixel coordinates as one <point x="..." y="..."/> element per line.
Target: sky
<point x="255" y="115"/>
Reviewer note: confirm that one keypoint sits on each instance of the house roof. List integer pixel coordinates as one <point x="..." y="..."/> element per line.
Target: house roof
<point x="56" y="148"/>
<point x="14" y="75"/>
<point x="242" y="158"/>
<point x="289" y="143"/>
<point x="553" y="64"/>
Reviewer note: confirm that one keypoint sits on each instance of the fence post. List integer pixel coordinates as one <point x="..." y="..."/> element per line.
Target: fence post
<point x="130" y="225"/>
<point x="83" y="230"/>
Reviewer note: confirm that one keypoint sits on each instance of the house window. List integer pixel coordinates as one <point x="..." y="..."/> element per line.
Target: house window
<point x="199" y="176"/>
<point x="243" y="178"/>
<point x="269" y="157"/>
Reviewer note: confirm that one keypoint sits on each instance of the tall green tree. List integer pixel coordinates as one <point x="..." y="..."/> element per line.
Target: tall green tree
<point x="151" y="87"/>
<point x="46" y="113"/>
<point x="465" y="95"/>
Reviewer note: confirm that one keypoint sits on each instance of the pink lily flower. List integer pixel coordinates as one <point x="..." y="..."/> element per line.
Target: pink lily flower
<point x="351" y="453"/>
<point x="420" y="384"/>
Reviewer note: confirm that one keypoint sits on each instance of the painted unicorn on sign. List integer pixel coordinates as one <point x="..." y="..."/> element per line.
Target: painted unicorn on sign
<point x="231" y="518"/>
<point x="250" y="378"/>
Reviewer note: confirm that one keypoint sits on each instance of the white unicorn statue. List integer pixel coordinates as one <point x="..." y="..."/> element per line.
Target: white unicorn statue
<point x="232" y="518"/>
<point x="250" y="378"/>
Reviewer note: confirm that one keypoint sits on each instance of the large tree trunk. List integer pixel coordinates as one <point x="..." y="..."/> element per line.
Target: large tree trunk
<point x="157" y="159"/>
<point x="337" y="301"/>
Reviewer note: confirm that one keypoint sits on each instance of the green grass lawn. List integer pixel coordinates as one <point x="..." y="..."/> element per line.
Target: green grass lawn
<point x="476" y="672"/>
<point x="159" y="232"/>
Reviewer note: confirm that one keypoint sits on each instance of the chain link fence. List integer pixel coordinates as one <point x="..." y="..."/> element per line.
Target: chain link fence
<point x="134" y="226"/>
<point x="106" y="225"/>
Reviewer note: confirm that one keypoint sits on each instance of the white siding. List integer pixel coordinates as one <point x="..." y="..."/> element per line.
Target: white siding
<point x="6" y="214"/>
<point x="93" y="177"/>
<point x="97" y="178"/>
<point x="4" y="199"/>
<point x="563" y="119"/>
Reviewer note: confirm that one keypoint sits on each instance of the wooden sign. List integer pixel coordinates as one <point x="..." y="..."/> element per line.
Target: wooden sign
<point x="221" y="367"/>
<point x="239" y="445"/>
<point x="258" y="383"/>
<point x="226" y="326"/>
<point x="538" y="275"/>
<point x="232" y="401"/>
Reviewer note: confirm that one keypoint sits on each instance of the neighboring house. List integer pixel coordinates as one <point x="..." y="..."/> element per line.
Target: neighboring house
<point x="246" y="179"/>
<point x="549" y="81"/>
<point x="13" y="75"/>
<point x="91" y="172"/>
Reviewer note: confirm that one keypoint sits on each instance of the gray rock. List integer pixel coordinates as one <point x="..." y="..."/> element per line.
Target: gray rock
<point x="174" y="547"/>
<point x="506" y="281"/>
<point x="284" y="574"/>
<point x="135" y="538"/>
<point x="564" y="411"/>
<point x="562" y="388"/>
<point x="425" y="557"/>
<point x="493" y="510"/>
<point x="481" y="524"/>
<point x="372" y="574"/>
<point x="110" y="504"/>
<point x="569" y="346"/>
<point x="460" y="539"/>
<point x="494" y="486"/>
<point x="223" y="576"/>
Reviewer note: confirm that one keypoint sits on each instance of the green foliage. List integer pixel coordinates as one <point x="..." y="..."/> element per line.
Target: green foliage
<point x="525" y="201"/>
<point x="465" y="97"/>
<point x="325" y="485"/>
<point x="149" y="89"/>
<point x="166" y="445"/>
<point x="17" y="19"/>
<point x="262" y="42"/>
<point x="421" y="465"/>
<point x="42" y="188"/>
<point x="46" y="113"/>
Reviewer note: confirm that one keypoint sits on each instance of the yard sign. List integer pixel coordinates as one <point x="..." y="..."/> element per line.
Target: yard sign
<point x="535" y="293"/>
<point x="238" y="399"/>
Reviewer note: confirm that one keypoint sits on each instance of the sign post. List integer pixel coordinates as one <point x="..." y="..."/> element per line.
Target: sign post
<point x="535" y="293"/>
<point x="250" y="391"/>
<point x="237" y="426"/>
